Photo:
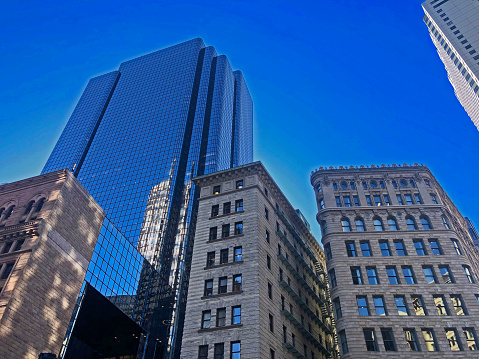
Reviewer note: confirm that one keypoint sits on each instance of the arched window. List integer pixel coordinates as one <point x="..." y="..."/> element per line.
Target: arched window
<point x="346" y="225"/>
<point x="392" y="224"/>
<point x="425" y="222"/>
<point x="344" y="185"/>
<point x="39" y="205"/>
<point x="29" y="207"/>
<point x="1" y="211"/>
<point x="8" y="213"/>
<point x="360" y="227"/>
<point x="411" y="224"/>
<point x="324" y="228"/>
<point x="373" y="184"/>
<point x="445" y="222"/>
<point x="378" y="224"/>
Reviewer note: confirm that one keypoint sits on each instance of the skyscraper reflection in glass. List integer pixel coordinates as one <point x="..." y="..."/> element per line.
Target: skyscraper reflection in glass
<point x="138" y="135"/>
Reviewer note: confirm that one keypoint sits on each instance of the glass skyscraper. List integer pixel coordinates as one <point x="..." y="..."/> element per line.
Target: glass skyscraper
<point x="139" y="134"/>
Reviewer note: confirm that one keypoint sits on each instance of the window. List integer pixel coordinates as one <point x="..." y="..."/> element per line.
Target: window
<point x="360" y="225"/>
<point x="19" y="245"/>
<point x="388" y="339"/>
<point x="411" y="182"/>
<point x="321" y="204"/>
<point x="268" y="238"/>
<point x="239" y="184"/>
<point x="237" y="283"/>
<point x="270" y="291"/>
<point x="384" y="246"/>
<point x="219" y="351"/>
<point x="351" y="249"/>
<point x="392" y="275"/>
<point x="425" y="223"/>
<point x="453" y="339"/>
<point x="435" y="248"/>
<point x="418" y="198"/>
<point x="395" y="185"/>
<point x="455" y="245"/>
<point x="203" y="352"/>
<point x="223" y="256"/>
<point x="370" y="338"/>
<point x="285" y="334"/>
<point x="356" y="275"/>
<point x="363" y="305"/>
<point x="216" y="189"/>
<point x="225" y="230"/>
<point x="337" y="308"/>
<point x="238" y="228"/>
<point x="411" y="224"/>
<point x="434" y="199"/>
<point x="6" y="248"/>
<point x="266" y="213"/>
<point x="335" y="186"/>
<point x="365" y="185"/>
<point x="418" y="305"/>
<point x="353" y="186"/>
<point x="343" y="342"/>
<point x="235" y="350"/>
<point x="338" y="201"/>
<point x="346" y="226"/>
<point x="458" y="304"/>
<point x="220" y="317"/>
<point x="365" y="249"/>
<point x="408" y="275"/>
<point x="470" y="335"/>
<point x="268" y="262"/>
<point x="266" y="191"/>
<point x="392" y="224"/>
<point x="378" y="224"/>
<point x="332" y="278"/>
<point x="446" y="274"/>
<point x="271" y="354"/>
<point x="238" y="205"/>
<point x="213" y="233"/>
<point x="467" y="272"/>
<point x="210" y="259"/>
<point x="377" y="200"/>
<point x="445" y="222"/>
<point x="356" y="201"/>
<point x="327" y="251"/>
<point x="386" y="200"/>
<point x="430" y="340"/>
<point x="222" y="285"/>
<point x="347" y="201"/>
<point x="206" y="319"/>
<point x="399" y="198"/>
<point x="215" y="210"/>
<point x="419" y="245"/>
<point x="227" y="208"/>
<point x="372" y="275"/>
<point x="8" y="269"/>
<point x="238" y="254"/>
<point x="400" y="249"/>
<point x="373" y="184"/>
<point x="208" y="287"/>
<point x="440" y="305"/>
<point x="271" y="323"/>
<point x="380" y="305"/>
<point x="411" y="339"/>
<point x="408" y="199"/>
<point x="324" y="228"/>
<point x="429" y="274"/>
<point x="401" y="304"/>
<point x="368" y="200"/>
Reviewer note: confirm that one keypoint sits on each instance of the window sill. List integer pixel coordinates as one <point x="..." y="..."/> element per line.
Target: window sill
<point x="223" y="265"/>
<point x="220" y="328"/>
<point x="226" y="214"/>
<point x="214" y="296"/>
<point x="225" y="238"/>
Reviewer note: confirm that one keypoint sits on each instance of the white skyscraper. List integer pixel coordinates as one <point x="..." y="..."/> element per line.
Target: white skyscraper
<point x="453" y="26"/>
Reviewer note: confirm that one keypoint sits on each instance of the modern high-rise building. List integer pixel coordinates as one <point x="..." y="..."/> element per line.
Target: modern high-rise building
<point x="452" y="25"/>
<point x="403" y="269"/>
<point x="258" y="288"/>
<point x="139" y="134"/>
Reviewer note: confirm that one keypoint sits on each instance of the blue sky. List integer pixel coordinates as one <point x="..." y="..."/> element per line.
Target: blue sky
<point x="334" y="82"/>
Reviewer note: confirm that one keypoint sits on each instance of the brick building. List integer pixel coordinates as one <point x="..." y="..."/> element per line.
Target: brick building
<point x="401" y="264"/>
<point x="257" y="287"/>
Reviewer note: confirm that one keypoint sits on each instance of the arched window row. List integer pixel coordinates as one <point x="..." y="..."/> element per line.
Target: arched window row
<point x="391" y="224"/>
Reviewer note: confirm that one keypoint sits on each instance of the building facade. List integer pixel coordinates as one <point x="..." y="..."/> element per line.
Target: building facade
<point x="472" y="231"/>
<point x="136" y="138"/>
<point x="452" y="25"/>
<point x="402" y="268"/>
<point x="258" y="288"/>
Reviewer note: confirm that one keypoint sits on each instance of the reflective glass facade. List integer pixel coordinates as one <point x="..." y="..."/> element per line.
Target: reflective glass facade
<point x="137" y="137"/>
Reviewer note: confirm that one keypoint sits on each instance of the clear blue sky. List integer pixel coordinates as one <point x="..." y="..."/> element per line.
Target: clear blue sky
<point x="334" y="82"/>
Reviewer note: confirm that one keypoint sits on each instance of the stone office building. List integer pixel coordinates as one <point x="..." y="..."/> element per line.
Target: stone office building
<point x="401" y="264"/>
<point x="257" y="287"/>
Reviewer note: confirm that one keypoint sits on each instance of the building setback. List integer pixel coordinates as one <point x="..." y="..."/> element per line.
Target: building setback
<point x="452" y="25"/>
<point x="401" y="264"/>
<point x="257" y="287"/>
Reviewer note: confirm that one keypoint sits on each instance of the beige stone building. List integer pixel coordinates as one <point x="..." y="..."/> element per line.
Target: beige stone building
<point x="257" y="287"/>
<point x="402" y="266"/>
<point x="49" y="226"/>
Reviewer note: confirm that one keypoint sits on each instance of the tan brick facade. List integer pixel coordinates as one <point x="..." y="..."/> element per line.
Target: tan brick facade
<point x="48" y="238"/>
<point x="376" y="220"/>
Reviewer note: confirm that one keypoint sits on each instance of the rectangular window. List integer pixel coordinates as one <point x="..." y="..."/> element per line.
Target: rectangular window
<point x="238" y="228"/>
<point x="429" y="274"/>
<point x="430" y="339"/>
<point x="411" y="339"/>
<point x="458" y="304"/>
<point x="237" y="283"/>
<point x="453" y="340"/>
<point x="377" y="200"/>
<point x="332" y="278"/>
<point x="213" y="233"/>
<point x="225" y="231"/>
<point x="19" y="245"/>
<point x="238" y="205"/>
<point x="210" y="259"/>
<point x="392" y="275"/>
<point x="208" y="287"/>
<point x="347" y="201"/>
<point x="380" y="305"/>
<point x="467" y="272"/>
<point x="206" y="319"/>
<point x="408" y="275"/>
<point x="216" y="189"/>
<point x="388" y="339"/>
<point x="455" y="245"/>
<point x="285" y="334"/>
<point x="356" y="201"/>
<point x="368" y="201"/>
<point x="386" y="200"/>
<point x="203" y="352"/>
<point x="399" y="198"/>
<point x="356" y="275"/>
<point x="351" y="249"/>
<point x="238" y="254"/>
<point x="219" y="351"/>
<point x="419" y="245"/>
<point x="222" y="285"/>
<point x="370" y="338"/>
<point x="401" y="304"/>
<point x="268" y="262"/>
<point x="418" y="305"/>
<point x="227" y="208"/>
<point x="418" y="198"/>
<point x="365" y="249"/>
<point x="327" y="251"/>
<point x="239" y="184"/>
<point x="220" y="317"/>
<point x="337" y="308"/>
<point x="266" y="213"/>
<point x="400" y="249"/>
<point x="224" y="256"/>
<point x="343" y="342"/>
<point x="6" y="247"/>
<point x="215" y="210"/>
<point x="363" y="307"/>
<point x="338" y="201"/>
<point x="446" y="274"/>
<point x="384" y="246"/>
<point x="471" y="339"/>
<point x="440" y="305"/>
<point x="271" y="323"/>
<point x="272" y="354"/>
<point x="434" y="199"/>
<point x="372" y="275"/>
<point x="270" y="291"/>
<point x="408" y="199"/>
<point x="435" y="248"/>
